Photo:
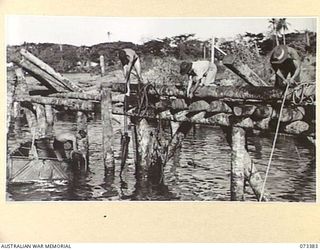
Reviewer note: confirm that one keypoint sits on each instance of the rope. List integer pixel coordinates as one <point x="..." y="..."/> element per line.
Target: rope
<point x="274" y="143"/>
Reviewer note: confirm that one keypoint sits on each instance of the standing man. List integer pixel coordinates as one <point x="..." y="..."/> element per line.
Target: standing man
<point x="129" y="60"/>
<point x="199" y="73"/>
<point x="286" y="63"/>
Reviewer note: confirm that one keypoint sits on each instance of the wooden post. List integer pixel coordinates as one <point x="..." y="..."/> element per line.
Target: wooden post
<point x="243" y="70"/>
<point x="50" y="119"/>
<point x="135" y="142"/>
<point x="145" y="143"/>
<point x="41" y="120"/>
<point x="212" y="49"/>
<point x="102" y="65"/>
<point x="238" y="142"/>
<point x="204" y="51"/>
<point x="83" y="144"/>
<point x="107" y="137"/>
<point x="13" y="81"/>
<point x="254" y="178"/>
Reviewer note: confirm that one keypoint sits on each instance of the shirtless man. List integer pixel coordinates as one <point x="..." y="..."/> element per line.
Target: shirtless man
<point x="201" y="73"/>
<point x="286" y="63"/>
<point x="61" y="139"/>
<point x="129" y="60"/>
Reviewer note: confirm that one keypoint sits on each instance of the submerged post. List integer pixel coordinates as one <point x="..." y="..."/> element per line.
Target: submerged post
<point x="41" y="120"/>
<point x="107" y="131"/>
<point x="83" y="143"/>
<point x="238" y="150"/>
<point x="50" y="119"/>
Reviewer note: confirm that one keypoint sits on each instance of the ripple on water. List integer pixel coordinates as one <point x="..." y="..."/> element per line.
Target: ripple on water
<point x="201" y="173"/>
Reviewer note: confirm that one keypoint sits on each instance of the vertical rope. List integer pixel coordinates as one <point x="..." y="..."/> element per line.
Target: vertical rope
<point x="274" y="142"/>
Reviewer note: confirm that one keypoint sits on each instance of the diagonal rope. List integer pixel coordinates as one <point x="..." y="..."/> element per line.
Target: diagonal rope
<point x="274" y="143"/>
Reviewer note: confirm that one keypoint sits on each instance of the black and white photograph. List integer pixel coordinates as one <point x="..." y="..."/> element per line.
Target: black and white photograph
<point x="161" y="109"/>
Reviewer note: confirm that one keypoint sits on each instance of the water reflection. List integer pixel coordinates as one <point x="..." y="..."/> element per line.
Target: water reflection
<point x="199" y="171"/>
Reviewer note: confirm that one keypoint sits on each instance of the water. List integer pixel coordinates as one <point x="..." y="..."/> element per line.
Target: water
<point x="200" y="172"/>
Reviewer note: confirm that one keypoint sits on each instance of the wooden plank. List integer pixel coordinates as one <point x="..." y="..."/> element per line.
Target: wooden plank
<point x="68" y="85"/>
<point x="44" y="78"/>
<point x="107" y="131"/>
<point x="246" y="93"/>
<point x="243" y="71"/>
<point x="237" y="163"/>
<point x="78" y="95"/>
<point x="71" y="104"/>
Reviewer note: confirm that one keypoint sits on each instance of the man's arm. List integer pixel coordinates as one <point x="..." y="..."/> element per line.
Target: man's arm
<point x="297" y="63"/>
<point x="189" y="85"/>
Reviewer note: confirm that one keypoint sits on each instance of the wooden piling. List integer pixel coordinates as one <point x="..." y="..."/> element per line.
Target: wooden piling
<point x="102" y="65"/>
<point x="83" y="143"/>
<point x="254" y="178"/>
<point x="50" y="119"/>
<point x="135" y="142"/>
<point x="107" y="131"/>
<point x="238" y="142"/>
<point x="41" y="120"/>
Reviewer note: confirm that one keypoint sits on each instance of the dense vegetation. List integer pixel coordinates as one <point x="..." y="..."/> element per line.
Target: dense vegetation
<point x="251" y="48"/>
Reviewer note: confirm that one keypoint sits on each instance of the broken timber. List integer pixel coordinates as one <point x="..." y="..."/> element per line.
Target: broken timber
<point x="44" y="73"/>
<point x="243" y="70"/>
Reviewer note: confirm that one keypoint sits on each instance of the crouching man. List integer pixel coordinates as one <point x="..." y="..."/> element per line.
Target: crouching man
<point x="200" y="73"/>
<point x="68" y="142"/>
<point x="286" y="63"/>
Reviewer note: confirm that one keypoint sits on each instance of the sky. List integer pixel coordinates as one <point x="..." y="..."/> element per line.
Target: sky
<point x="93" y="30"/>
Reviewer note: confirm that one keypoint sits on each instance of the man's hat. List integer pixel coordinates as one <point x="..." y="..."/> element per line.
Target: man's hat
<point x="185" y="67"/>
<point x="279" y="54"/>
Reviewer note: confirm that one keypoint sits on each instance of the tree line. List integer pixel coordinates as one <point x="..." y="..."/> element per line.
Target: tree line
<point x="68" y="58"/>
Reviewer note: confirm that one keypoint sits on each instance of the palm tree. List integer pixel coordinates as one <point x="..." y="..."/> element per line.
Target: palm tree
<point x="282" y="27"/>
<point x="273" y="25"/>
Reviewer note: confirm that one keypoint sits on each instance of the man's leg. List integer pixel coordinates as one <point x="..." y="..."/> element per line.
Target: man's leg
<point x="126" y="72"/>
<point x="211" y="76"/>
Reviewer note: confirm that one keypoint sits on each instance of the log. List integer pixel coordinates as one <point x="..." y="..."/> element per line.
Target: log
<point x="83" y="143"/>
<point x="12" y="84"/>
<point x="145" y="138"/>
<point x="135" y="142"/>
<point x="102" y="65"/>
<point x="245" y="110"/>
<point x="199" y="106"/>
<point x="50" y="119"/>
<point x="178" y="137"/>
<point x="219" y="107"/>
<point x="231" y="93"/>
<point x="297" y="127"/>
<point x="243" y="122"/>
<point x="262" y="111"/>
<point x="197" y="117"/>
<point x="290" y="114"/>
<point x="178" y="104"/>
<point x="263" y="124"/>
<point x="41" y="120"/>
<point x="44" y="78"/>
<point x="71" y="104"/>
<point x="254" y="178"/>
<point x="69" y="85"/>
<point x="243" y="70"/>
<point x="237" y="163"/>
<point x="32" y="121"/>
<point x="220" y="119"/>
<point x="77" y="95"/>
<point x="107" y="130"/>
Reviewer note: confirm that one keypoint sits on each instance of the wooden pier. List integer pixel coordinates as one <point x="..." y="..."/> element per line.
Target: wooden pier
<point x="237" y="110"/>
